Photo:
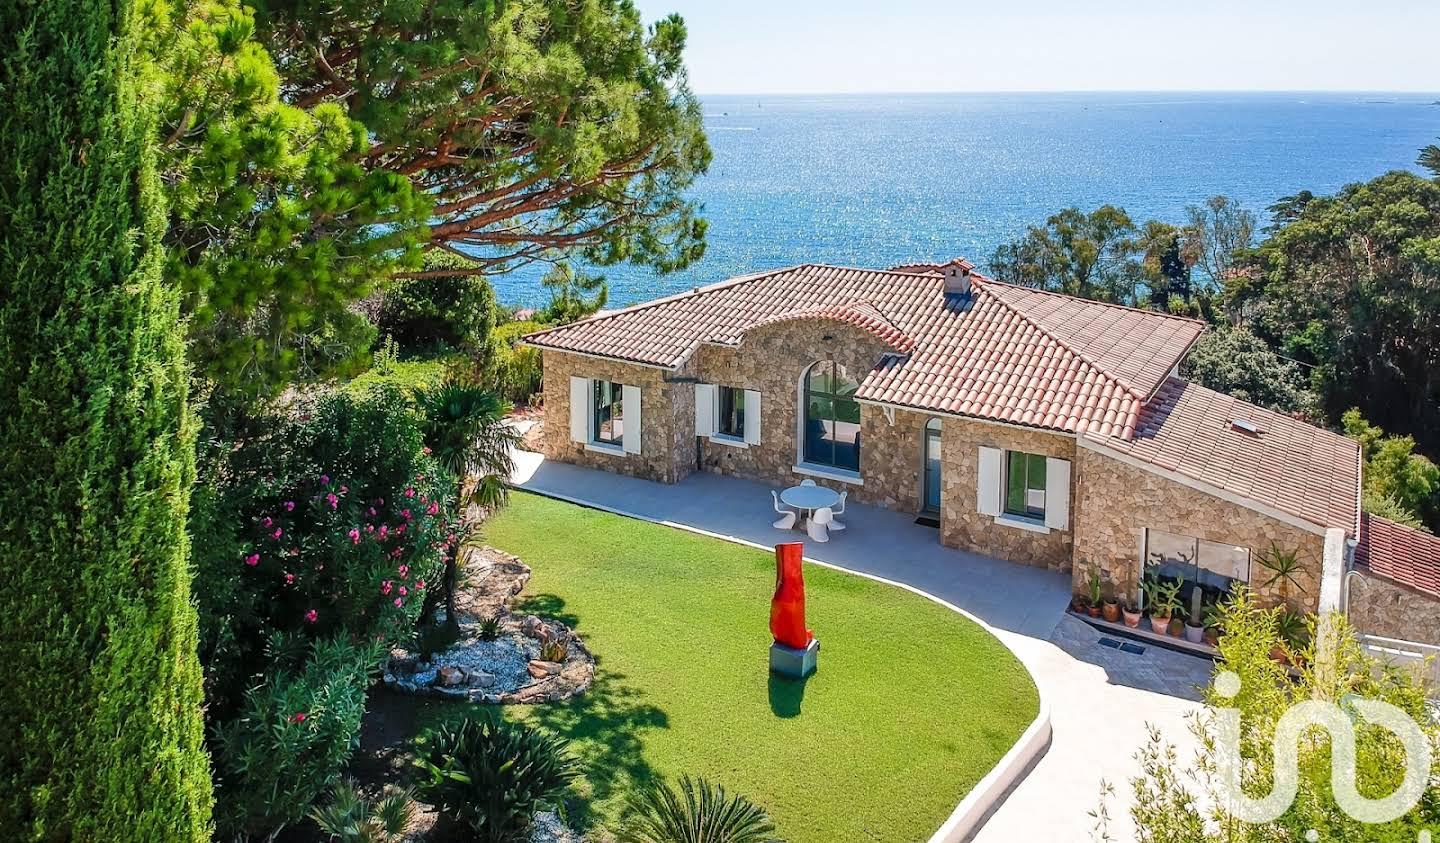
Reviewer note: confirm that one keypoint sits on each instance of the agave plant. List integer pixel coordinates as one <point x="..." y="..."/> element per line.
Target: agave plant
<point x="493" y="777"/>
<point x="465" y="429"/>
<point x="699" y="812"/>
<point x="351" y="818"/>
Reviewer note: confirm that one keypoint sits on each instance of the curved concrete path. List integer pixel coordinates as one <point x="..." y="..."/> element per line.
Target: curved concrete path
<point x="1099" y="699"/>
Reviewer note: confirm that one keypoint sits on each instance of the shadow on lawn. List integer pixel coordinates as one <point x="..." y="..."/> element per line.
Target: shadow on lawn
<point x="786" y="695"/>
<point x="546" y="606"/>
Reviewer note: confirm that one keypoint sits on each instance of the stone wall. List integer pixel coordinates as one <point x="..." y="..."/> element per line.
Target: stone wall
<point x="1115" y="501"/>
<point x="961" y="523"/>
<point x="771" y="359"/>
<point x="1381" y="607"/>
<point x="667" y="450"/>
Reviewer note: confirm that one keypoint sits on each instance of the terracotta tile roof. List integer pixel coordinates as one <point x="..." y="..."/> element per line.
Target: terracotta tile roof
<point x="1297" y="468"/>
<point x="861" y="314"/>
<point x="1399" y="553"/>
<point x="1042" y="360"/>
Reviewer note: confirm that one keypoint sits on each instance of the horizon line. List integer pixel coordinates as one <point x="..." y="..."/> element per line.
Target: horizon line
<point x="939" y="92"/>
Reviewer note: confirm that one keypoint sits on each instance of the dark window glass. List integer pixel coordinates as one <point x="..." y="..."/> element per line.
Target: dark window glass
<point x="731" y="421"/>
<point x="1025" y="484"/>
<point x="832" y="417"/>
<point x="609" y="412"/>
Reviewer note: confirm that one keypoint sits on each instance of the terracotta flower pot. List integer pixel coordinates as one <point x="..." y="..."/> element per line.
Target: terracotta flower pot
<point x="1132" y="619"/>
<point x="1094" y="611"/>
<point x="1077" y="605"/>
<point x="1160" y="625"/>
<point x="1111" y="611"/>
<point x="1212" y="636"/>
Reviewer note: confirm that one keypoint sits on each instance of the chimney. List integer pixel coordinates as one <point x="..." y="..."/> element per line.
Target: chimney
<point x="957" y="277"/>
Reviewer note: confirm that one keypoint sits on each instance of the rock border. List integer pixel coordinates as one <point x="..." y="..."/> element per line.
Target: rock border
<point x="507" y="577"/>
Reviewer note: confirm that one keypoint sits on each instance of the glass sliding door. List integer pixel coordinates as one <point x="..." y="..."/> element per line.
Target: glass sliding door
<point x="931" y="502"/>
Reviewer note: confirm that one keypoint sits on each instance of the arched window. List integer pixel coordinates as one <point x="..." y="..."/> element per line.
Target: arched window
<point x="832" y="417"/>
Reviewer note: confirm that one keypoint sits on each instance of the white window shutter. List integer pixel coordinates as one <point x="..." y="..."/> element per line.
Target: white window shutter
<point x="987" y="487"/>
<point x="1057" y="493"/>
<point x="704" y="409"/>
<point x="631" y="397"/>
<point x="581" y="393"/>
<point x="752" y="417"/>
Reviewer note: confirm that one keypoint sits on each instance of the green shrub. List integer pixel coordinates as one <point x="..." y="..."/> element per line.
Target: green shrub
<point x="489" y="629"/>
<point x="510" y="369"/>
<point x="446" y="312"/>
<point x="101" y="735"/>
<point x="699" y="813"/>
<point x="492" y="777"/>
<point x="294" y="733"/>
<point x="351" y="818"/>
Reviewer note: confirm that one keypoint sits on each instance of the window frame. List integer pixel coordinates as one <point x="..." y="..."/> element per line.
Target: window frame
<point x="617" y="400"/>
<point x="737" y="413"/>
<point x="834" y="398"/>
<point x="1026" y="512"/>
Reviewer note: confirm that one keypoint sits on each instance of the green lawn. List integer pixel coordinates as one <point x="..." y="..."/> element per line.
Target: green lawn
<point x="912" y="704"/>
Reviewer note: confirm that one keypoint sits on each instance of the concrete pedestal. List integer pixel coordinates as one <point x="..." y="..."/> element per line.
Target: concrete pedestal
<point x="797" y="664"/>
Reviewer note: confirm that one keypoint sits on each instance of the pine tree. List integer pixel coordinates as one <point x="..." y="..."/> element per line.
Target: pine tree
<point x="101" y="735"/>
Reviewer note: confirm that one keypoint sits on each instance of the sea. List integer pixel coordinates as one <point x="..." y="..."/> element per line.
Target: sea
<point x="879" y="179"/>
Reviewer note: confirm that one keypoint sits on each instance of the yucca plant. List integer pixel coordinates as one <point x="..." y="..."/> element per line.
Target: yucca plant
<point x="465" y="429"/>
<point x="699" y="812"/>
<point x="489" y="629"/>
<point x="492" y="777"/>
<point x="351" y="818"/>
<point x="1283" y="566"/>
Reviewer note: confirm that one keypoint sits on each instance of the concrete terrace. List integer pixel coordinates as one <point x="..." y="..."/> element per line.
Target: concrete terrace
<point x="1100" y="698"/>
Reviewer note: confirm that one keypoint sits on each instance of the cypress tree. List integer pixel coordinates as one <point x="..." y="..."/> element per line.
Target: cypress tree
<point x="101" y="736"/>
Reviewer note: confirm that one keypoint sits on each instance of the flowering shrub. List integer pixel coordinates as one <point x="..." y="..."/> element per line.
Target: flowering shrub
<point x="295" y="732"/>
<point x="335" y="524"/>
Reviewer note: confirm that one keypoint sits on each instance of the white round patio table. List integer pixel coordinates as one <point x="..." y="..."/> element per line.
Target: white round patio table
<point x="807" y="499"/>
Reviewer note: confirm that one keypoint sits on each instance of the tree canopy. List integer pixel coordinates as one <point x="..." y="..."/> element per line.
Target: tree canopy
<point x="534" y="125"/>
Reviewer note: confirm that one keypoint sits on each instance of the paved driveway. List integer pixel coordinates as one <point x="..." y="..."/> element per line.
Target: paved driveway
<point x="1100" y="698"/>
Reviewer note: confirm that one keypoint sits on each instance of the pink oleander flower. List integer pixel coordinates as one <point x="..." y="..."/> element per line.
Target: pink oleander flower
<point x="369" y="528"/>
<point x="252" y="560"/>
<point x="420" y="477"/>
<point x="420" y="584"/>
<point x="334" y="501"/>
<point x="294" y="551"/>
<point x="289" y="506"/>
<point x="450" y="538"/>
<point x="370" y="512"/>
<point x="385" y="587"/>
<point x="266" y="522"/>
<point x="379" y="501"/>
<point x="395" y="554"/>
<point x="399" y="601"/>
<point x="312" y="616"/>
<point x="384" y="531"/>
<point x="297" y="717"/>
<point x="405" y="514"/>
<point x="354" y="536"/>
<point x="289" y="579"/>
<point x="404" y="571"/>
<point x="324" y="480"/>
<point x="434" y="509"/>
<point x="279" y="531"/>
<point x="400" y="530"/>
<point x="409" y="493"/>
<point x="403" y="592"/>
<point x="344" y="489"/>
<point x="425" y="450"/>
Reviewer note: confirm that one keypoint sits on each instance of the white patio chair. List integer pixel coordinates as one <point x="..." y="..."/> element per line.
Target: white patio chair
<point x="787" y="516"/>
<point x="834" y="524"/>
<point x="807" y="482"/>
<point x="816" y="525"/>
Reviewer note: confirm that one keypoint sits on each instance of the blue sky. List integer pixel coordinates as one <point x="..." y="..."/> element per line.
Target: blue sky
<point x="773" y="46"/>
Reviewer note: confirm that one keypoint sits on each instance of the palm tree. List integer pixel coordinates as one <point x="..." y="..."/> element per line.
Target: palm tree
<point x="465" y="429"/>
<point x="1284" y="565"/>
<point x="700" y="812"/>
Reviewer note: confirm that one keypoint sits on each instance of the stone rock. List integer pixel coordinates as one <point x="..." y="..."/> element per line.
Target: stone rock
<point x="530" y="626"/>
<point x="449" y="677"/>
<point x="540" y="670"/>
<point x="481" y="679"/>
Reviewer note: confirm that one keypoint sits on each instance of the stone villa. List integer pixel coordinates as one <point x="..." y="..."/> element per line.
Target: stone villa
<point x="1027" y="425"/>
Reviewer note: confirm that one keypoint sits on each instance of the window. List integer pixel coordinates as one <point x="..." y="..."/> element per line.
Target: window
<point x="832" y="417"/>
<point x="730" y="412"/>
<point x="1024" y="484"/>
<point x="609" y="413"/>
<point x="1209" y="566"/>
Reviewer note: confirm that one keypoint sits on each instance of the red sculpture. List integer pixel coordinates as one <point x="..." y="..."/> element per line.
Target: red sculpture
<point x="787" y="607"/>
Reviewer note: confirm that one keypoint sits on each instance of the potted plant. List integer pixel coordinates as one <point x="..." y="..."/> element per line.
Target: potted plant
<point x="1195" y="624"/>
<point x="1283" y="566"/>
<point x="1163" y="597"/>
<point x="1111" y="609"/>
<point x="1097" y="588"/>
<point x="1294" y="631"/>
<point x="1130" y="610"/>
<point x="1214" y="623"/>
<point x="1078" y="602"/>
